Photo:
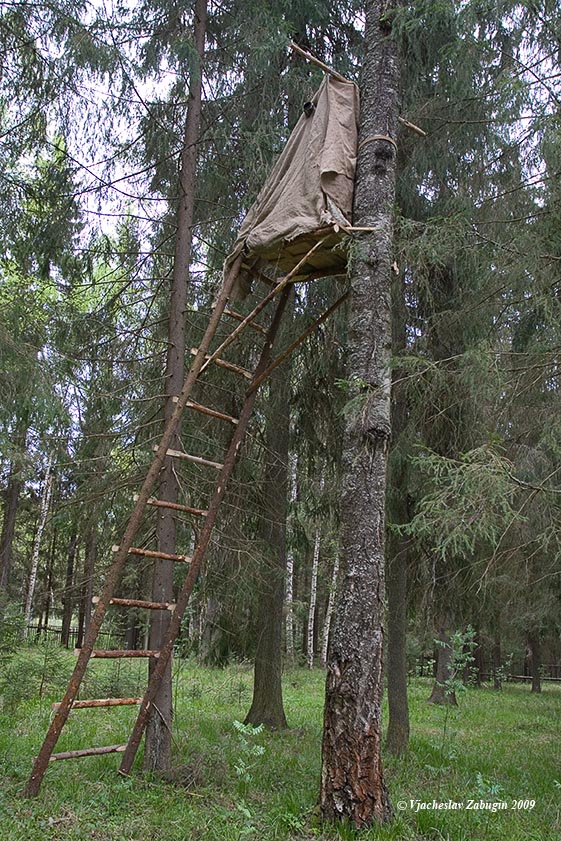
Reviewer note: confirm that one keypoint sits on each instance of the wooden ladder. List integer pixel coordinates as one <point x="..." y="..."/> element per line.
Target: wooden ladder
<point x="202" y="359"/>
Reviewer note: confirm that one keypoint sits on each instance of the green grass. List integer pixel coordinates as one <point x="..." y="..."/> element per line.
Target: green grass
<point x="495" y="747"/>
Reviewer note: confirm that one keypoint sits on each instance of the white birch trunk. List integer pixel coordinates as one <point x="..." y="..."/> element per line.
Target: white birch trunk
<point x="329" y="611"/>
<point x="313" y="599"/>
<point x="45" y="504"/>
<point x="289" y="586"/>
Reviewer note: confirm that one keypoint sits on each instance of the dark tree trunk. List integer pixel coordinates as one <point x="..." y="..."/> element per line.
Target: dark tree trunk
<point x="90" y="560"/>
<point x="157" y="754"/>
<point x="441" y="693"/>
<point x="11" y="501"/>
<point x="214" y="644"/>
<point x="81" y="617"/>
<point x="398" y="720"/>
<point x="352" y="784"/>
<point x="534" y="644"/>
<point x="267" y="705"/>
<point x="497" y="661"/>
<point x="68" y="598"/>
<point x="398" y="706"/>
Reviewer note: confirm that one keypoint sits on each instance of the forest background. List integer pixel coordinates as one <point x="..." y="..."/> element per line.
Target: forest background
<point x="92" y="125"/>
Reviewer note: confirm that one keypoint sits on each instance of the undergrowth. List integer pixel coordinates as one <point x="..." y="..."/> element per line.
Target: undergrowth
<point x="496" y="747"/>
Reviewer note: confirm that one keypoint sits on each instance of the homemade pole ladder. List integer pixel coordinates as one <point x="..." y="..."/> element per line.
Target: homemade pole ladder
<point x="203" y="358"/>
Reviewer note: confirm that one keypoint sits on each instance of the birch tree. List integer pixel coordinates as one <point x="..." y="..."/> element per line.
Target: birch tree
<point x="43" y="514"/>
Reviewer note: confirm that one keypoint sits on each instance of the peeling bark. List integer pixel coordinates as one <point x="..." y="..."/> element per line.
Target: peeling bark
<point x="352" y="784"/>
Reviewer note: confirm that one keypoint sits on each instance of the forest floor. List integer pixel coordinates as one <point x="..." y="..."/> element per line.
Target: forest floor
<point x="495" y="748"/>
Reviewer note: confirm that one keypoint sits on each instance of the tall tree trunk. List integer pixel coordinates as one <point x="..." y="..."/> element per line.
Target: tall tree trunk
<point x="12" y="494"/>
<point x="43" y="623"/>
<point x="43" y="514"/>
<point x="289" y="581"/>
<point x="352" y="784"/>
<point x="313" y="600"/>
<point x="329" y="612"/>
<point x="534" y="644"/>
<point x="267" y="704"/>
<point x="157" y="754"/>
<point x="441" y="693"/>
<point x="476" y="668"/>
<point x="68" y="596"/>
<point x="90" y="560"/>
<point x="398" y="706"/>
<point x="497" y="661"/>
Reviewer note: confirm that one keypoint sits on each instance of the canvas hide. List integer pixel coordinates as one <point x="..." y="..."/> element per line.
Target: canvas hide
<point x="309" y="188"/>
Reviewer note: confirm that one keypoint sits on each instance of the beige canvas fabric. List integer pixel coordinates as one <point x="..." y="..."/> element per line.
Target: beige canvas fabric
<point x="312" y="182"/>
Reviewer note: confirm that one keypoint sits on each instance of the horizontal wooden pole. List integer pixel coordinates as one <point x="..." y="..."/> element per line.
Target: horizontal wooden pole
<point x="212" y="413"/>
<point x="152" y="553"/>
<point x="116" y="654"/>
<point x="194" y="459"/>
<point x="239" y="317"/>
<point x="101" y="702"/>
<point x="76" y="754"/>
<point x="228" y="366"/>
<point x="307" y="332"/>
<point x="139" y="603"/>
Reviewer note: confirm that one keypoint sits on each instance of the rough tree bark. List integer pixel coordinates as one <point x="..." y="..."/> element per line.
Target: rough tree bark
<point x="352" y="784"/>
<point x="398" y="706"/>
<point x="267" y="704"/>
<point x="157" y="754"/>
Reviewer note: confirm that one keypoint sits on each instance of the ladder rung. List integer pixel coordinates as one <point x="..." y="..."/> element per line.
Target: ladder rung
<point x="194" y="459"/>
<point x="76" y="754"/>
<point x="151" y="553"/>
<point x="175" y="506"/>
<point x="139" y="603"/>
<point x="112" y="654"/>
<point x="205" y="410"/>
<point x="101" y="702"/>
<point x="239" y="317"/>
<point x="229" y="366"/>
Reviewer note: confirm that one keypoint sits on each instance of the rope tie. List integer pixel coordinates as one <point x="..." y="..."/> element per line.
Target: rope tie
<point x="378" y="137"/>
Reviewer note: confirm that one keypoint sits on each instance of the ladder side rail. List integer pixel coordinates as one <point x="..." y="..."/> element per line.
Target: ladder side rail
<point x="198" y="555"/>
<point x="276" y="290"/>
<point x="42" y="759"/>
<point x="297" y="342"/>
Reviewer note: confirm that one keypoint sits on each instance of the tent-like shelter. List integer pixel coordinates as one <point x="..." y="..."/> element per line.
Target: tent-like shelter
<point x="307" y="198"/>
